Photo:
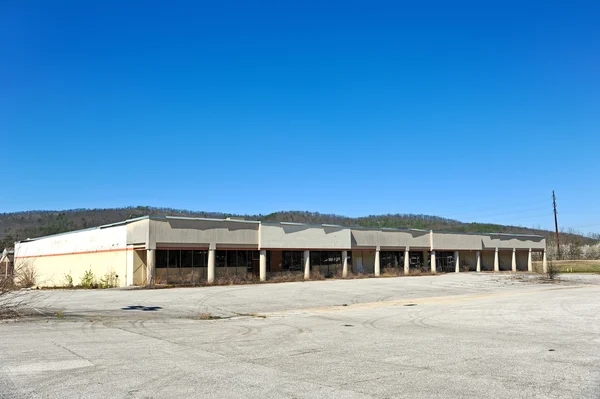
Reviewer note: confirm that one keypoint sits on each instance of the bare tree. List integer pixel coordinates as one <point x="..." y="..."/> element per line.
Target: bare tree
<point x="551" y="271"/>
<point x="13" y="298"/>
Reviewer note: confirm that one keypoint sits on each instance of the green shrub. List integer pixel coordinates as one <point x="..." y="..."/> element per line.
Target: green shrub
<point x="89" y="280"/>
<point x="68" y="280"/>
<point x="109" y="280"/>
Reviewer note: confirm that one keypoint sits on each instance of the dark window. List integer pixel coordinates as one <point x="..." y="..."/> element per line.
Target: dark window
<point x="297" y="260"/>
<point x="326" y="259"/>
<point x="334" y="262"/>
<point x="286" y="260"/>
<point x="174" y="258"/>
<point x="330" y="259"/>
<point x="291" y="260"/>
<point x="200" y="258"/>
<point x="390" y="259"/>
<point x="242" y="259"/>
<point x="253" y="259"/>
<point x="162" y="258"/>
<point x="315" y="258"/>
<point x="231" y="259"/>
<point x="220" y="258"/>
<point x="186" y="258"/>
<point x="444" y="261"/>
<point x="384" y="259"/>
<point x="415" y="259"/>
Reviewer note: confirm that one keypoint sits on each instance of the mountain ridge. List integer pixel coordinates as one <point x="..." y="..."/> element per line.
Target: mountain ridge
<point x="36" y="223"/>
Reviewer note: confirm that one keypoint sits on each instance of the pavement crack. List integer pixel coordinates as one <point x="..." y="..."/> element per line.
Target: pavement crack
<point x="73" y="352"/>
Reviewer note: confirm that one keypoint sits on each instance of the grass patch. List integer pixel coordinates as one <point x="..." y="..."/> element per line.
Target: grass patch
<point x="573" y="266"/>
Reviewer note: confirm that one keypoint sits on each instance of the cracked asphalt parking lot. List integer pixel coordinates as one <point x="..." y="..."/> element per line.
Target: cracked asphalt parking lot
<point x="448" y="336"/>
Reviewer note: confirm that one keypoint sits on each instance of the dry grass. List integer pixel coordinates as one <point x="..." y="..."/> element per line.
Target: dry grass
<point x="316" y="275"/>
<point x="208" y="316"/>
<point x="12" y="301"/>
<point x="281" y="277"/>
<point x="286" y="277"/>
<point x="392" y="272"/>
<point x="421" y="272"/>
<point x="351" y="275"/>
<point x="25" y="276"/>
<point x="571" y="266"/>
<point x="198" y="280"/>
<point x="231" y="279"/>
<point x="7" y="285"/>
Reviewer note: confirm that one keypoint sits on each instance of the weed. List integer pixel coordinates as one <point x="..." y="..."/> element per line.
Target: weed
<point x="208" y="316"/>
<point x="551" y="271"/>
<point x="89" y="280"/>
<point x="287" y="277"/>
<point x="316" y="275"/>
<point x="59" y="314"/>
<point x="68" y="280"/>
<point x="230" y="279"/>
<point x="26" y="276"/>
<point x="353" y="276"/>
<point x="109" y="280"/>
<point x="392" y="271"/>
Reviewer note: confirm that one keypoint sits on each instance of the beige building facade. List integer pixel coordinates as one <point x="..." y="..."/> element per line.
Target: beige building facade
<point x="192" y="250"/>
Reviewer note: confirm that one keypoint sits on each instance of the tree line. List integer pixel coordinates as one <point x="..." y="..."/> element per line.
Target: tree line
<point x="30" y="224"/>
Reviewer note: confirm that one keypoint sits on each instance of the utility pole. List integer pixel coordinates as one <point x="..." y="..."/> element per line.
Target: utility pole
<point x="556" y="226"/>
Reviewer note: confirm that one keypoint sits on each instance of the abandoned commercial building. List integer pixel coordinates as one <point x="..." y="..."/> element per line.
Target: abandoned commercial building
<point x="193" y="250"/>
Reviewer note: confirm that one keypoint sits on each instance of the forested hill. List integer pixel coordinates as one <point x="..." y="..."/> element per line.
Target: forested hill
<point x="30" y="224"/>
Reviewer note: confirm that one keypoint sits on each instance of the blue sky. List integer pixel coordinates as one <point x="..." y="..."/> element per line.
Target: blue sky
<point x="469" y="110"/>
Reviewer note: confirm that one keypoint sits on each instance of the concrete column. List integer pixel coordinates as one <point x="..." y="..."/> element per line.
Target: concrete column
<point x="263" y="265"/>
<point x="433" y="265"/>
<point x="456" y="261"/>
<point x="478" y="260"/>
<point x="514" y="261"/>
<point x="496" y="261"/>
<point x="529" y="262"/>
<point x="307" y="265"/>
<point x="211" y="266"/>
<point x="544" y="262"/>
<point x="407" y="260"/>
<point x="150" y="266"/>
<point x="344" y="264"/>
<point x="377" y="266"/>
<point x="425" y="257"/>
